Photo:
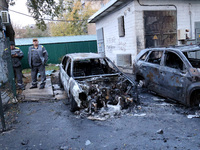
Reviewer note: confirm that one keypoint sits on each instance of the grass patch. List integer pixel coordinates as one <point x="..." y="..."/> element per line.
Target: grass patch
<point x="49" y="67"/>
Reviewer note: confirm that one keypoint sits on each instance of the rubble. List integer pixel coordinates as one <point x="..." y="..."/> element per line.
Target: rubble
<point x="140" y="115"/>
<point x="196" y="115"/>
<point x="87" y="142"/>
<point x="160" y="131"/>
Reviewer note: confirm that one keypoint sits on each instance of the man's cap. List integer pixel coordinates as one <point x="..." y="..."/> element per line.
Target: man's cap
<point x="12" y="43"/>
<point x="35" y="39"/>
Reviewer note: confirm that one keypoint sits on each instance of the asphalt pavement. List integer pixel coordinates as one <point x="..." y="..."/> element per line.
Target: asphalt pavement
<point x="155" y="124"/>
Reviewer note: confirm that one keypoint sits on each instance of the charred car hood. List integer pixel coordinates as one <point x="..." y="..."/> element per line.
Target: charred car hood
<point x="102" y="90"/>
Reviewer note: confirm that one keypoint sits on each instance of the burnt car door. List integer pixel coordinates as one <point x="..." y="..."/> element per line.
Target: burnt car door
<point x="173" y="76"/>
<point x="150" y="69"/>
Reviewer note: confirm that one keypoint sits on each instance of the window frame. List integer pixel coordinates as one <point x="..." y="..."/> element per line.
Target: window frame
<point x="68" y="63"/>
<point x="184" y="68"/>
<point x="152" y="51"/>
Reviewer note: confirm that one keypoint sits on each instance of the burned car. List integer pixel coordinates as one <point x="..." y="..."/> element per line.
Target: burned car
<point x="172" y="72"/>
<point x="92" y="81"/>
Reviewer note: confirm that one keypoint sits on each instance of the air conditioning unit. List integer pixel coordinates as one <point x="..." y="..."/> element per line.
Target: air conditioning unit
<point x="5" y="17"/>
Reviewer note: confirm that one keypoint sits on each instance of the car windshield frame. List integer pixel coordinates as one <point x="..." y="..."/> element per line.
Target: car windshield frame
<point x="108" y="64"/>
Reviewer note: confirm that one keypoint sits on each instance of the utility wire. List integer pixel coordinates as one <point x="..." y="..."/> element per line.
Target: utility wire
<point x="40" y="18"/>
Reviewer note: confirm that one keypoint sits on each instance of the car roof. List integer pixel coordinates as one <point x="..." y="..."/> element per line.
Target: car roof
<point x="187" y="48"/>
<point x="184" y="48"/>
<point x="79" y="56"/>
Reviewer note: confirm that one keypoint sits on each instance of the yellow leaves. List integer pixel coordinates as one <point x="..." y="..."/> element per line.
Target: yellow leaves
<point x="76" y="18"/>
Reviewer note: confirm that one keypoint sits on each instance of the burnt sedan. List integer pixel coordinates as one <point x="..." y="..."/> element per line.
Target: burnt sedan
<point x="172" y="72"/>
<point x="92" y="81"/>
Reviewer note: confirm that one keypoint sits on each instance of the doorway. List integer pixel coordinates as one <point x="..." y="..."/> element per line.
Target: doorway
<point x="160" y="28"/>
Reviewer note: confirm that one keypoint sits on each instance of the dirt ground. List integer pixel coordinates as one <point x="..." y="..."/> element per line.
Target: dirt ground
<point x="155" y="124"/>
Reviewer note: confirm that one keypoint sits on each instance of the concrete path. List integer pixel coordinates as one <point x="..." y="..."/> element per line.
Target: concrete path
<point x="39" y="94"/>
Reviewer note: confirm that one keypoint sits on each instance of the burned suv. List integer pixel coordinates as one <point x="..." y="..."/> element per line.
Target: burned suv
<point x="92" y="81"/>
<point x="172" y="72"/>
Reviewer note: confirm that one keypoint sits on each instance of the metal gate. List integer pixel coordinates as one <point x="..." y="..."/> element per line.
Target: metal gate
<point x="7" y="82"/>
<point x="160" y="28"/>
<point x="197" y="32"/>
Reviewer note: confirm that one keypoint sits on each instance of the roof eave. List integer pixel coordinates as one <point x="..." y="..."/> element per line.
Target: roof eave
<point x="109" y="7"/>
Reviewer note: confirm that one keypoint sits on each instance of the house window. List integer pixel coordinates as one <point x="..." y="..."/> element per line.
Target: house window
<point x="121" y="27"/>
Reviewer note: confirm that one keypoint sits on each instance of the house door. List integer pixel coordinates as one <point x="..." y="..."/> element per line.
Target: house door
<point x="160" y="28"/>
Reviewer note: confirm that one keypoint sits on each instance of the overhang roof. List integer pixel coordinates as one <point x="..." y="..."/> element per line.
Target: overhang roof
<point x="108" y="8"/>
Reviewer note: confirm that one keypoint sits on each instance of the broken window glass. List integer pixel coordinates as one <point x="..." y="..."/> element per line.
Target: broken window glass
<point x="194" y="58"/>
<point x="155" y="57"/>
<point x="172" y="60"/>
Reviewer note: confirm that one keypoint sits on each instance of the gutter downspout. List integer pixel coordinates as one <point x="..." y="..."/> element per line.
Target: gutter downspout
<point x="190" y="14"/>
<point x="163" y="5"/>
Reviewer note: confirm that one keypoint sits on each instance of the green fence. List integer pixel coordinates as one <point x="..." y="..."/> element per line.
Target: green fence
<point x="57" y="50"/>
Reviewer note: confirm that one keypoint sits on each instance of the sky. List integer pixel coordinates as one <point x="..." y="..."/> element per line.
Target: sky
<point x="18" y="19"/>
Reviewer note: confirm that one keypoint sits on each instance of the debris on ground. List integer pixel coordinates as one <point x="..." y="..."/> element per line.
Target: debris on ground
<point x="87" y="142"/>
<point x="140" y="115"/>
<point x="25" y="142"/>
<point x="196" y="115"/>
<point x="160" y="131"/>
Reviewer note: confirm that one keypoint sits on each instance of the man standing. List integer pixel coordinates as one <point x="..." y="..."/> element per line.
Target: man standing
<point x="37" y="57"/>
<point x="17" y="55"/>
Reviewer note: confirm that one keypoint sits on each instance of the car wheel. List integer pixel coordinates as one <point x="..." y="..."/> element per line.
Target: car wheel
<point x="73" y="104"/>
<point x="60" y="82"/>
<point x="195" y="98"/>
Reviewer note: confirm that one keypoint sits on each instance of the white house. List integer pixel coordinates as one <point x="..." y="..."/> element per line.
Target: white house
<point x="124" y="27"/>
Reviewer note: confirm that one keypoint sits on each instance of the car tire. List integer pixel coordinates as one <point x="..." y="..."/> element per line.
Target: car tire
<point x="60" y="82"/>
<point x="73" y="104"/>
<point x="195" y="98"/>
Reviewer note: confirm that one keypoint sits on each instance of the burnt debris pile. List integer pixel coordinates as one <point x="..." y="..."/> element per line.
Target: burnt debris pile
<point x="107" y="96"/>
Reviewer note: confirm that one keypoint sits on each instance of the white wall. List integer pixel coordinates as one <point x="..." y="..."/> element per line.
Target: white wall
<point x="184" y="7"/>
<point x="113" y="43"/>
<point x="134" y="40"/>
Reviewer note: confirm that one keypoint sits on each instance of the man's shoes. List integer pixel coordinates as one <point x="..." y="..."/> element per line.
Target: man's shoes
<point x="41" y="87"/>
<point x="22" y="88"/>
<point x="33" y="87"/>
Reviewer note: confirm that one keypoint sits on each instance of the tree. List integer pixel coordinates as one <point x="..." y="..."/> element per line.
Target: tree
<point x="74" y="19"/>
<point x="29" y="31"/>
<point x="41" y="8"/>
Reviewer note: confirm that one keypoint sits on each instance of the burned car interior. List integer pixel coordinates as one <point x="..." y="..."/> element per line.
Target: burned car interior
<point x="173" y="61"/>
<point x="90" y="67"/>
<point x="155" y="57"/>
<point x="193" y="57"/>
